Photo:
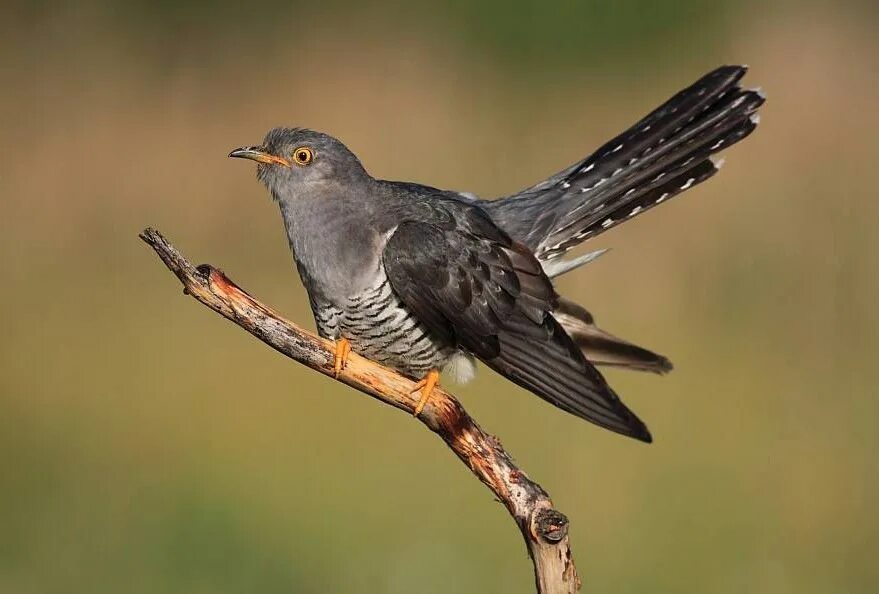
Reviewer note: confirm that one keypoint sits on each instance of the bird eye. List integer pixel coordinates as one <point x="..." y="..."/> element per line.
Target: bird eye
<point x="303" y="155"/>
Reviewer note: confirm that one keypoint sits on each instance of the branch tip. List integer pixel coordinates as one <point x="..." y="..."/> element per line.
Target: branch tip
<point x="551" y="524"/>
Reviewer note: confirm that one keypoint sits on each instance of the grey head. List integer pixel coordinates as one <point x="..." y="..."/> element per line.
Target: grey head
<point x="294" y="161"/>
<point x="329" y="206"/>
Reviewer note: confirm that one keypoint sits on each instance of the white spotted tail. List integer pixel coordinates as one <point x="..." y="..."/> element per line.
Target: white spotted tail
<point x="668" y="151"/>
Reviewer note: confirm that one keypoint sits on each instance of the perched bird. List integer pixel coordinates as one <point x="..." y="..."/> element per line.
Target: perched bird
<point x="422" y="279"/>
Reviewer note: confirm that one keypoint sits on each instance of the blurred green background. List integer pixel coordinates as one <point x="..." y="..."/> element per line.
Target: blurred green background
<point x="148" y="446"/>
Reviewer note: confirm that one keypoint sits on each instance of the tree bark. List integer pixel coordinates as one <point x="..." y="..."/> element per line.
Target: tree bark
<point x="544" y="528"/>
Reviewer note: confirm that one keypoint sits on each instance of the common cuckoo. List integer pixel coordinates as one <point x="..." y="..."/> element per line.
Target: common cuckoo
<point x="425" y="280"/>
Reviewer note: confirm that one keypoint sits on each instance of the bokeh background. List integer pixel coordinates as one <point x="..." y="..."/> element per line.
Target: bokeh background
<point x="148" y="446"/>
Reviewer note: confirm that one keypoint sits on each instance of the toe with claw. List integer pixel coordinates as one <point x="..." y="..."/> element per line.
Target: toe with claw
<point x="340" y="357"/>
<point x="425" y="386"/>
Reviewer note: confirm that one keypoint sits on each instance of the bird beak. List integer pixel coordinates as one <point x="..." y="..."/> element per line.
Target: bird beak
<point x="258" y="154"/>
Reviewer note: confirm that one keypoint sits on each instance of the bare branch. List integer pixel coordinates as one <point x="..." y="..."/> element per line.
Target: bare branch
<point x="544" y="528"/>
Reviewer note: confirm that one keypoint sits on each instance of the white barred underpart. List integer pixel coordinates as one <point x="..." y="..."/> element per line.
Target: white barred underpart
<point x="381" y="328"/>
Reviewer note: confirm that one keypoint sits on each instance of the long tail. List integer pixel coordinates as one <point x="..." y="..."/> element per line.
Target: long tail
<point x="668" y="151"/>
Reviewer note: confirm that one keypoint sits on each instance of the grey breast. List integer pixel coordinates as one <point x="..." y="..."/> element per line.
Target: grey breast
<point x="351" y="297"/>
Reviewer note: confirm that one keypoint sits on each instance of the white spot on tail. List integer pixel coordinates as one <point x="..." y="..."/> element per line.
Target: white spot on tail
<point x="635" y="211"/>
<point x="607" y="223"/>
<point x="619" y="146"/>
<point x="755" y="118"/>
<point x="689" y="183"/>
<point x="663" y="197"/>
<point x="595" y="185"/>
<point x="718" y="163"/>
<point x="587" y="169"/>
<point x="566" y="185"/>
<point x="717" y="145"/>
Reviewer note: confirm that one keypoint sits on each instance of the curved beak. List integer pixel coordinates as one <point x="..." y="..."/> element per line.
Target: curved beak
<point x="258" y="154"/>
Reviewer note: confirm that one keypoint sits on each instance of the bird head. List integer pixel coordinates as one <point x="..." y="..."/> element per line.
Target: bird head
<point x="289" y="160"/>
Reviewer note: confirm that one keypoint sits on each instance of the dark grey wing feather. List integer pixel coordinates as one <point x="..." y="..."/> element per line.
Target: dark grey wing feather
<point x="544" y="360"/>
<point x="434" y="277"/>
<point x="467" y="281"/>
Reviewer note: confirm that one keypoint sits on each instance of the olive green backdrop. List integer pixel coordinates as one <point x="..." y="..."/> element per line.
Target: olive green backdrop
<point x="148" y="446"/>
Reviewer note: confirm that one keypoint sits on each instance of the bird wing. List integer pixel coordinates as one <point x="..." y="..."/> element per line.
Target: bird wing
<point x="470" y="283"/>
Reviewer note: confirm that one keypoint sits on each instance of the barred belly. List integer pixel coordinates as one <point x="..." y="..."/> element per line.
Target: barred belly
<point x="381" y="328"/>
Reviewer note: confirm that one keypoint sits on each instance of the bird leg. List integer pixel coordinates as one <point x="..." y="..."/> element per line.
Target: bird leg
<point x="426" y="386"/>
<point x="340" y="357"/>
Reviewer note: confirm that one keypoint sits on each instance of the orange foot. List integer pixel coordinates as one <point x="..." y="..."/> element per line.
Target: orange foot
<point x="340" y="357"/>
<point x="426" y="387"/>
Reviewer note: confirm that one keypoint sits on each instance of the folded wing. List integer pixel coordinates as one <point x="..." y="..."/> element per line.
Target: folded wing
<point x="469" y="282"/>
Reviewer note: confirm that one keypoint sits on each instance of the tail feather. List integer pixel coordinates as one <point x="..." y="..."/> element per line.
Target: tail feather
<point x="659" y="170"/>
<point x="676" y="166"/>
<point x="665" y="153"/>
<point x="661" y="125"/>
<point x="554" y="268"/>
<point x="602" y="348"/>
<point x="641" y="199"/>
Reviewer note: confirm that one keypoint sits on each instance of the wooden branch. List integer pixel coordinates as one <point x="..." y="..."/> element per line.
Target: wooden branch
<point x="544" y="528"/>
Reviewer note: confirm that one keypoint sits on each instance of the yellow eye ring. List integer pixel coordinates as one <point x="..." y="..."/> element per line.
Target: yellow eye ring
<point x="303" y="155"/>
